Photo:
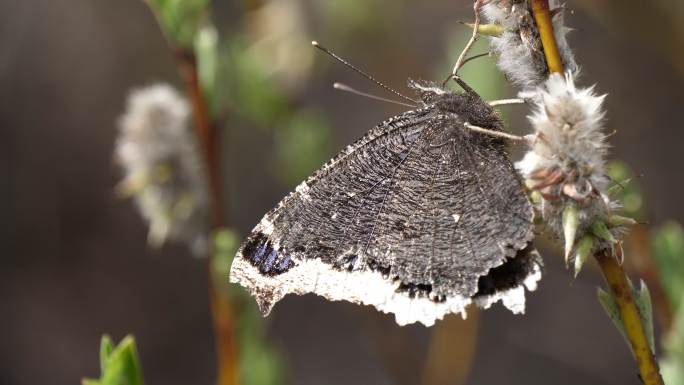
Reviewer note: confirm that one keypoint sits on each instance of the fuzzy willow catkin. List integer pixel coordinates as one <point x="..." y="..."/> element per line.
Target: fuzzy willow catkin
<point x="163" y="169"/>
<point x="518" y="46"/>
<point x="565" y="166"/>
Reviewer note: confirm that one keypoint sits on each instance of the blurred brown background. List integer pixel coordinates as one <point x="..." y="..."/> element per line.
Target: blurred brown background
<point x="75" y="262"/>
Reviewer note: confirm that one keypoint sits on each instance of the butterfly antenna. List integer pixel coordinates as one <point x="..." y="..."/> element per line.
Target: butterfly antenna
<point x="362" y="73"/>
<point x="346" y="88"/>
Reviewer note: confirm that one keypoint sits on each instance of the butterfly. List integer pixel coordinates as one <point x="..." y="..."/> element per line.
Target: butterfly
<point x="422" y="216"/>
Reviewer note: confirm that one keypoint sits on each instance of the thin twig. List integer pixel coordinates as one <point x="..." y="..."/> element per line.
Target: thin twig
<point x="228" y="372"/>
<point x="473" y="38"/>
<point x="468" y="60"/>
<point x="610" y="267"/>
<point x="221" y="309"/>
<point x="204" y="129"/>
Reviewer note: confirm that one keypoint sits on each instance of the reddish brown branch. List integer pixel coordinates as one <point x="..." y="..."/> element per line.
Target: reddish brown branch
<point x="221" y="309"/>
<point x="205" y="130"/>
<point x="228" y="370"/>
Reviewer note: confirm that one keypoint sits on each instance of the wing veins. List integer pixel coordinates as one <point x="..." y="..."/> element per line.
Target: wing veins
<point x="356" y="211"/>
<point x="506" y="170"/>
<point x="391" y="126"/>
<point x="469" y="242"/>
<point x="391" y="188"/>
<point x="496" y="194"/>
<point x="434" y="206"/>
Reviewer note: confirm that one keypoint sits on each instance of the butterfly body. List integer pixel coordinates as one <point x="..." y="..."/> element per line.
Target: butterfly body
<point x="420" y="217"/>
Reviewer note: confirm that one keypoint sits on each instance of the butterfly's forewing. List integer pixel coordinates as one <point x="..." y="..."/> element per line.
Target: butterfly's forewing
<point x="409" y="219"/>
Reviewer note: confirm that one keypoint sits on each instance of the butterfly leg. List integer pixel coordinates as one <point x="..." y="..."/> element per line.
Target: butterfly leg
<point x="499" y="134"/>
<point x="505" y="102"/>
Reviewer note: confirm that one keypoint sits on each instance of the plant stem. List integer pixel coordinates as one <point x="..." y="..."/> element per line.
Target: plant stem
<point x="612" y="270"/>
<point x="204" y="129"/>
<point x="542" y="16"/>
<point x="221" y="309"/>
<point x="228" y="370"/>
<point x="622" y="293"/>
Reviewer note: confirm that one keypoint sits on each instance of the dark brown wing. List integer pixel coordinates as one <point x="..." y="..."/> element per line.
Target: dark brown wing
<point x="418" y="209"/>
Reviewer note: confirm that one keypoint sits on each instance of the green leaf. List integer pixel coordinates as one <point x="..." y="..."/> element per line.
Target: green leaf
<point x="106" y="349"/>
<point x="206" y="46"/>
<point x="668" y="253"/>
<point x="180" y="19"/>
<point x="601" y="230"/>
<point x="119" y="365"/>
<point x="583" y="250"/>
<point x="123" y="367"/>
<point x="610" y="307"/>
<point x="619" y="220"/>
<point x="642" y="299"/>
<point x="488" y="29"/>
<point x="570" y="223"/>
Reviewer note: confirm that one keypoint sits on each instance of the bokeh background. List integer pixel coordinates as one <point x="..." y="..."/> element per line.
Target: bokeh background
<point x="75" y="261"/>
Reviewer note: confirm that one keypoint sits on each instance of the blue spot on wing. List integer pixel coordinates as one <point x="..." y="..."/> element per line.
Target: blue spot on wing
<point x="259" y="251"/>
<point x="267" y="265"/>
<point x="256" y="258"/>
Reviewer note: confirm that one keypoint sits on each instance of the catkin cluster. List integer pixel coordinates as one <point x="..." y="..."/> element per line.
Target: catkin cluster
<point x="517" y="44"/>
<point x="564" y="167"/>
<point x="162" y="167"/>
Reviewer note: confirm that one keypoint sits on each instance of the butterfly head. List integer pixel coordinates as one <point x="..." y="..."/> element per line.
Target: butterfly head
<point x="468" y="104"/>
<point x="428" y="92"/>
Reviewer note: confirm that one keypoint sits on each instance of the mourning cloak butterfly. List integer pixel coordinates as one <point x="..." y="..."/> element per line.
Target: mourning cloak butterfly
<point x="420" y="217"/>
